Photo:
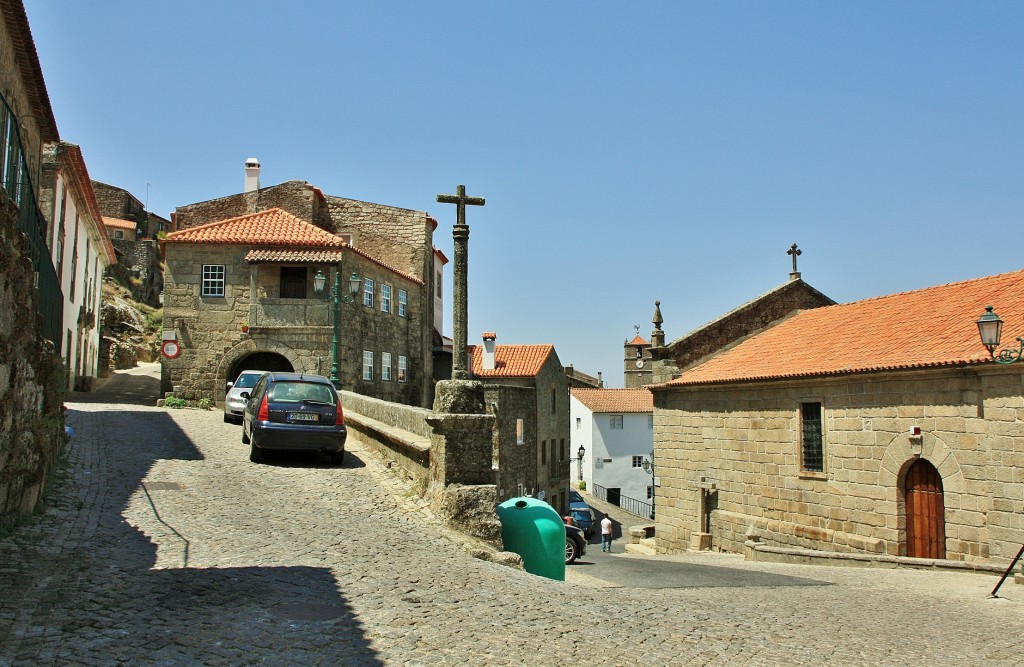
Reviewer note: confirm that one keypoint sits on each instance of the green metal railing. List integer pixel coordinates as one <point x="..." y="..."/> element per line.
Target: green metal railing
<point x="16" y="182"/>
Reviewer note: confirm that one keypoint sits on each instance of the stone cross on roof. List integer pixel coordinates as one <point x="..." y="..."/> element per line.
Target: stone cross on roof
<point x="795" y="252"/>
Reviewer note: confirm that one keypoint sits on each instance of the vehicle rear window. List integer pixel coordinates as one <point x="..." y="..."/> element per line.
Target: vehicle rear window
<point x="247" y="380"/>
<point x="296" y="392"/>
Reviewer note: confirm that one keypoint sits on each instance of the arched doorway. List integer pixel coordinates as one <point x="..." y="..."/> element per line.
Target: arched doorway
<point x="925" y="511"/>
<point x="260" y="361"/>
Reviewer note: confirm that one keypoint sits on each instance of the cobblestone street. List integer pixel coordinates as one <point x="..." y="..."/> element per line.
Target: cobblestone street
<point x="165" y="545"/>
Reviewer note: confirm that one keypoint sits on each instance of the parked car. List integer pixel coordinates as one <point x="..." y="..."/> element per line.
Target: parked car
<point x="293" y="412"/>
<point x="233" y="401"/>
<point x="575" y="544"/>
<point x="585" y="519"/>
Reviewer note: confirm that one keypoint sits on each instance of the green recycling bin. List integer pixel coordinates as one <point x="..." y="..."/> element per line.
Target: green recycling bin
<point x="533" y="529"/>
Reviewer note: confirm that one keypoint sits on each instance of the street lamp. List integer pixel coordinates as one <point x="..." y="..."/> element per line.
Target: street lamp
<point x="648" y="465"/>
<point x="319" y="281"/>
<point x="990" y="328"/>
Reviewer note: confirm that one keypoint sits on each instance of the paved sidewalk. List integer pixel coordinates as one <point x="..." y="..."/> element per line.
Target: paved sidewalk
<point x="166" y="546"/>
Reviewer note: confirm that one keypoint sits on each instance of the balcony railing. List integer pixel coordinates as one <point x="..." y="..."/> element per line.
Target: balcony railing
<point x="631" y="505"/>
<point x="15" y="181"/>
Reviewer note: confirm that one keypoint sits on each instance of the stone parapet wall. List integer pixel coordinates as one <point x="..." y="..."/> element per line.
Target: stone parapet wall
<point x="32" y="381"/>
<point x="746" y="440"/>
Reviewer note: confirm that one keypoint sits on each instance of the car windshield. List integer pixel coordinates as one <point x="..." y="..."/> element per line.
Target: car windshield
<point x="247" y="380"/>
<point x="575" y="497"/>
<point x="297" y="392"/>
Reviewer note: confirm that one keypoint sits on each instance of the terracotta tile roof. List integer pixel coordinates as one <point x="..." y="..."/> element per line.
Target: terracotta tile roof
<point x="920" y="329"/>
<point x="118" y="223"/>
<point x="638" y="341"/>
<point x="511" y="361"/>
<point x="615" y="400"/>
<point x="273" y="227"/>
<point x="311" y="256"/>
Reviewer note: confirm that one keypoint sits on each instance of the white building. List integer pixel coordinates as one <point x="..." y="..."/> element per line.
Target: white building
<point x="81" y="251"/>
<point x="616" y="429"/>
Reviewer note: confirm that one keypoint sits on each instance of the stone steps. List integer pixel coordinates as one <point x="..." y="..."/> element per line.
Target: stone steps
<point x="644" y="547"/>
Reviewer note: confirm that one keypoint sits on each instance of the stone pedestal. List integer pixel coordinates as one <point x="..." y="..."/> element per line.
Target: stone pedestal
<point x="464" y="397"/>
<point x="700" y="541"/>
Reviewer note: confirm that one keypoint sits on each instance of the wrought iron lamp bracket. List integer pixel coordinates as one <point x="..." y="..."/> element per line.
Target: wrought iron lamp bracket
<point x="1009" y="355"/>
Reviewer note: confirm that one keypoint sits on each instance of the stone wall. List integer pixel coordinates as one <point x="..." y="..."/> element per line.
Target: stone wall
<point x="138" y="267"/>
<point x="733" y="327"/>
<point x="516" y="463"/>
<point x="445" y="457"/>
<point x="32" y="381"/>
<point x="745" y="440"/>
<point x="297" y="197"/>
<point x="218" y="332"/>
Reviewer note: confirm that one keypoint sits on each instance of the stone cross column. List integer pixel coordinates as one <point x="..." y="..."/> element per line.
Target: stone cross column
<point x="460" y="310"/>
<point x="794" y="252"/>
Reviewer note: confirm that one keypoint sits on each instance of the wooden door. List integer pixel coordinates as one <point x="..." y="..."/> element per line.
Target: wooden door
<point x="926" y="523"/>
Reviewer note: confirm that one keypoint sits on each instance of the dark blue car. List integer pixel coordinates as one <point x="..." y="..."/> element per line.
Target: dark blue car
<point x="581" y="513"/>
<point x="293" y="412"/>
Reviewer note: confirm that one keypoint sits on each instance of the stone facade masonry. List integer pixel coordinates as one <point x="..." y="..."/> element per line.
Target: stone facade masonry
<point x="541" y="461"/>
<point x="400" y="238"/>
<point x="217" y="334"/>
<point x="32" y="381"/>
<point x="745" y="440"/>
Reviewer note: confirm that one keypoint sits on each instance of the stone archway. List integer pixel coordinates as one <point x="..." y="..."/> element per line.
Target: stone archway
<point x="235" y="360"/>
<point x="260" y="361"/>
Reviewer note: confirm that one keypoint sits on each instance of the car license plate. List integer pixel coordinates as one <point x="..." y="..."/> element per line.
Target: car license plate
<point x="303" y="417"/>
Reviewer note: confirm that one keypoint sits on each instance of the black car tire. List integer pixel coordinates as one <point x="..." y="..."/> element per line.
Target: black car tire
<point x="572" y="550"/>
<point x="245" y="436"/>
<point x="255" y="455"/>
<point x="336" y="458"/>
<point x="227" y="419"/>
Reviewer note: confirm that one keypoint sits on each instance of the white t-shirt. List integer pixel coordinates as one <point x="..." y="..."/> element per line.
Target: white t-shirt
<point x="606" y="526"/>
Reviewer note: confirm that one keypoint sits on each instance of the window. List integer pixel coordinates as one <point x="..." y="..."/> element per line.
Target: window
<point x="554" y="399"/>
<point x="520" y="435"/>
<point x="385" y="298"/>
<point x="367" y="365"/>
<point x="650" y="421"/>
<point x="543" y="452"/>
<point x="213" y="280"/>
<point x="638" y="462"/>
<point x="403" y="368"/>
<point x="650" y="492"/>
<point x="811" y="453"/>
<point x="368" y="292"/>
<point x="118" y="234"/>
<point x="437" y="284"/>
<point x="403" y="303"/>
<point x="293" y="282"/>
<point x="616" y="422"/>
<point x="562" y="449"/>
<point x="385" y="366"/>
<point x="579" y="423"/>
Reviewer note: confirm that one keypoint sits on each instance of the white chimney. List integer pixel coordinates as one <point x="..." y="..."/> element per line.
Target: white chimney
<point x="488" y="358"/>
<point x="252" y="175"/>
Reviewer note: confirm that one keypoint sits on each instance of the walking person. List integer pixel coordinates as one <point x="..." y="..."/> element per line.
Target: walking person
<point x="606" y="533"/>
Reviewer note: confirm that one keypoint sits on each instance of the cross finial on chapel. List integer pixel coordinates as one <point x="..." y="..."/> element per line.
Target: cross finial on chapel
<point x="794" y="252"/>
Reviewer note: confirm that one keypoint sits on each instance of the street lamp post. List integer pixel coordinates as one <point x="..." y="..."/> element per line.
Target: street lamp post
<point x="337" y="298"/>
<point x="648" y="465"/>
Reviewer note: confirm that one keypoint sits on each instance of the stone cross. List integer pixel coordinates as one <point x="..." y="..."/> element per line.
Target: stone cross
<point x="460" y="311"/>
<point x="795" y="252"/>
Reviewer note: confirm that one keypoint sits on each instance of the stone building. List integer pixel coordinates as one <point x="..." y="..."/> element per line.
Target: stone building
<point x="81" y="253"/>
<point x="241" y="293"/>
<point x="118" y="203"/>
<point x="31" y="303"/>
<point x="526" y="389"/>
<point x="133" y="231"/>
<point x="616" y="429"/>
<point x="397" y="241"/>
<point x="876" y="427"/>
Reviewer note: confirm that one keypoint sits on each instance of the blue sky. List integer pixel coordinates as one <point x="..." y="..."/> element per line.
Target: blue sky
<point x="628" y="152"/>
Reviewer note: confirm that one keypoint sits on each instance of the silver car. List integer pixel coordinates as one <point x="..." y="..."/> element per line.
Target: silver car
<point x="234" y="404"/>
